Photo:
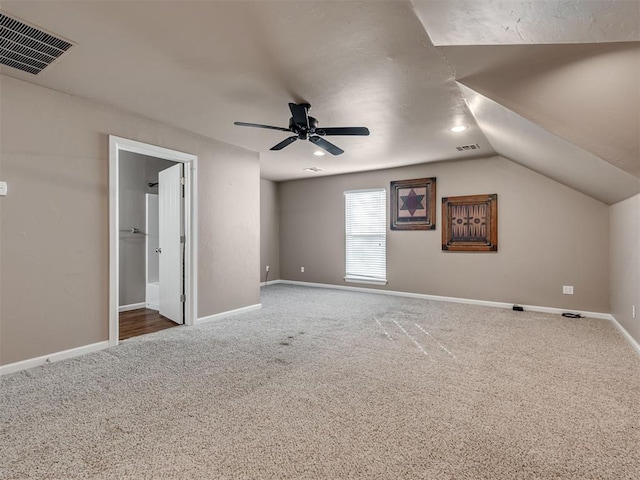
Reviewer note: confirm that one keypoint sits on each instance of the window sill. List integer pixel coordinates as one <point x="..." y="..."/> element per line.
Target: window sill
<point x="365" y="280"/>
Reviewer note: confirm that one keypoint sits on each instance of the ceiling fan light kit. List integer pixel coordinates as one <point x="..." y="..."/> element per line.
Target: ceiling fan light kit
<point x="305" y="127"/>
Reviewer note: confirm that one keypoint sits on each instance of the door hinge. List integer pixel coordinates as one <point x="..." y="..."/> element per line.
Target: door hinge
<point x="183" y="298"/>
<point x="182" y="181"/>
<point x="183" y="239"/>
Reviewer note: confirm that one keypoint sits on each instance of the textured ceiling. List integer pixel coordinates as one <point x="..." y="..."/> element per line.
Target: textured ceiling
<point x="202" y="65"/>
<point x="515" y="22"/>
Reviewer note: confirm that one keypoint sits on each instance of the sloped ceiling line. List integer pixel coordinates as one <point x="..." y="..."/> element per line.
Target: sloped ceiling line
<point x="530" y="145"/>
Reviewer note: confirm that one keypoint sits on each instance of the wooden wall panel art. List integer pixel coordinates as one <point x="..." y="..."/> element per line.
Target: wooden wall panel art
<point x="413" y="204"/>
<point x="470" y="223"/>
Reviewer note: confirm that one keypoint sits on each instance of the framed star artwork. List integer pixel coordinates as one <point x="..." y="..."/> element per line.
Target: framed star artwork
<point x="413" y="204"/>
<point x="470" y="223"/>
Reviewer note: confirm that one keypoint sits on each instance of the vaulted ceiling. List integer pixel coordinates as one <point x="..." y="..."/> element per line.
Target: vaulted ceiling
<point x="553" y="85"/>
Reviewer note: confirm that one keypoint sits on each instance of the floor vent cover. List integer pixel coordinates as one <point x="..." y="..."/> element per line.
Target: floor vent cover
<point x="464" y="148"/>
<point x="28" y="48"/>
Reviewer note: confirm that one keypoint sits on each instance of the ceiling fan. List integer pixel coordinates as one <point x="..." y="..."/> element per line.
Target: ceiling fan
<point x="306" y="128"/>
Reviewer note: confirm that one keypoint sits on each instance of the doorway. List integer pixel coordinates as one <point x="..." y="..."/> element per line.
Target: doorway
<point x="157" y="289"/>
<point x="151" y="229"/>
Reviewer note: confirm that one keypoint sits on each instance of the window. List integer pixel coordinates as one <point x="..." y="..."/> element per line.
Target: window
<point x="366" y="236"/>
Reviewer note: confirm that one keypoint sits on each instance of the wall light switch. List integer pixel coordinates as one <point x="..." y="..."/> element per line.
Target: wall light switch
<point x="302" y="269"/>
<point x="633" y="311"/>
<point x="3" y="189"/>
<point x="567" y="290"/>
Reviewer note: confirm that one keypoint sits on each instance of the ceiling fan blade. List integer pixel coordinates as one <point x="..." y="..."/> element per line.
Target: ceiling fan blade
<point x="284" y="143"/>
<point x="257" y="125"/>
<point x="328" y="146"/>
<point x="343" y="131"/>
<point x="299" y="112"/>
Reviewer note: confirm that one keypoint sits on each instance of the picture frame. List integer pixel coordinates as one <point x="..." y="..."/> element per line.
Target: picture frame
<point x="413" y="204"/>
<point x="470" y="223"/>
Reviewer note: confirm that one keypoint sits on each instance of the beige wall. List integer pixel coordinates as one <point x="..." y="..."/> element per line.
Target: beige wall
<point x="269" y="230"/>
<point x="625" y="263"/>
<point x="549" y="236"/>
<point x="54" y="223"/>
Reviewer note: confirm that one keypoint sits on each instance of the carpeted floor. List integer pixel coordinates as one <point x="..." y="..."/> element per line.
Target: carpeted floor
<point x="329" y="384"/>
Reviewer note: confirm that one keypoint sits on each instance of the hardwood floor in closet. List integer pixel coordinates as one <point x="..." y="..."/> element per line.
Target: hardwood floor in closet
<point x="142" y="321"/>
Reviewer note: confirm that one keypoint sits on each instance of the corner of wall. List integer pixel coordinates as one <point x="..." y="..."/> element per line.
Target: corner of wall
<point x="269" y="230"/>
<point x="624" y="264"/>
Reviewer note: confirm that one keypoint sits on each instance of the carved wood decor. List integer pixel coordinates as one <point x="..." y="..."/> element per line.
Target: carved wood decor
<point x="470" y="223"/>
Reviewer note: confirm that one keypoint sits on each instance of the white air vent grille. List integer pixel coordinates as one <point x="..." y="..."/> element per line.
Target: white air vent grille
<point x="27" y="48"/>
<point x="464" y="148"/>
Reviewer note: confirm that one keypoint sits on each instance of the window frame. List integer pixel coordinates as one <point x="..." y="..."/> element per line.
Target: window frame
<point x="381" y="226"/>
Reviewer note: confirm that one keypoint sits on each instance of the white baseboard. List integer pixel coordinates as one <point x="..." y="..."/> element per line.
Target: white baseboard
<point x="152" y="306"/>
<point x="532" y="308"/>
<point x="94" y="347"/>
<point x="560" y="311"/>
<point x="133" y="306"/>
<point x="270" y="282"/>
<point x="634" y="344"/>
<point x="470" y="301"/>
<point x="53" y="357"/>
<point x="229" y="313"/>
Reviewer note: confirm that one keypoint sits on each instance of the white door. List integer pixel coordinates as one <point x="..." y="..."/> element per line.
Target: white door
<point x="170" y="247"/>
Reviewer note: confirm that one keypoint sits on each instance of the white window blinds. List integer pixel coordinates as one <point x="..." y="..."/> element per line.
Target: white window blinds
<point x="366" y="236"/>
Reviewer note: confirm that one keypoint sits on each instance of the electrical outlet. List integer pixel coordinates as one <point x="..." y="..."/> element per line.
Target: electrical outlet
<point x="267" y="268"/>
<point x="567" y="289"/>
<point x="3" y="189"/>
<point x="302" y="269"/>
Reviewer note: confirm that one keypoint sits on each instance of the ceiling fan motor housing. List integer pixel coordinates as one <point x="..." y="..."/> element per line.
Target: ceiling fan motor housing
<point x="297" y="128"/>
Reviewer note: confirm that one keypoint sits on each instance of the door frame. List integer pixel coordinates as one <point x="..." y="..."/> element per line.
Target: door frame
<point x="117" y="145"/>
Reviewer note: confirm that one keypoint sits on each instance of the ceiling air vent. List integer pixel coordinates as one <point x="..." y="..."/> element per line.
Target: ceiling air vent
<point x="464" y="148"/>
<point x="28" y="48"/>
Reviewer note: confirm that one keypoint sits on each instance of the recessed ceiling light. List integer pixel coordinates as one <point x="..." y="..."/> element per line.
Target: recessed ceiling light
<point x="459" y="128"/>
<point x="312" y="169"/>
<point x="318" y="153"/>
